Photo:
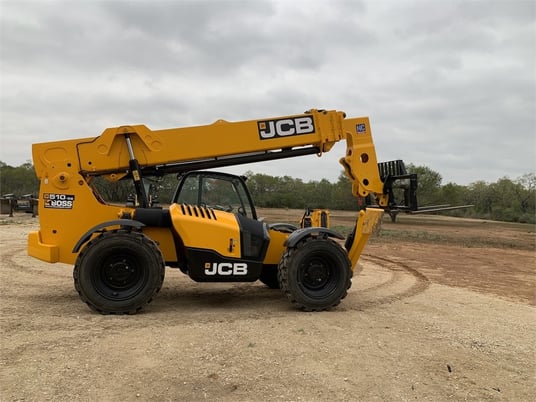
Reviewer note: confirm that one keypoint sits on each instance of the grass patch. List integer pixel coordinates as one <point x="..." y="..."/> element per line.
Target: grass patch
<point x="342" y="229"/>
<point x="422" y="236"/>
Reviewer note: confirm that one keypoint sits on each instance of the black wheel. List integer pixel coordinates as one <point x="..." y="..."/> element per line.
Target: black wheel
<point x="269" y="276"/>
<point x="316" y="274"/>
<point x="119" y="272"/>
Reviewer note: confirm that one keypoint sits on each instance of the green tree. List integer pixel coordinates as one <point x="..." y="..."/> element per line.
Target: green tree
<point x="480" y="195"/>
<point x="455" y="195"/>
<point x="317" y="194"/>
<point x="429" y="190"/>
<point x="343" y="198"/>
<point x="19" y="180"/>
<point x="262" y="188"/>
<point x="289" y="193"/>
<point x="113" y="191"/>
<point x="506" y="199"/>
<point x="505" y="205"/>
<point x="526" y="195"/>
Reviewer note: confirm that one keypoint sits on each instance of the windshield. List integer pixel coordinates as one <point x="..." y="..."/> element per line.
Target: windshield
<point x="215" y="190"/>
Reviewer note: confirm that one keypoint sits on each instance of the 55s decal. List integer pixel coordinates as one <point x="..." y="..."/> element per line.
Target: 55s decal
<point x="58" y="201"/>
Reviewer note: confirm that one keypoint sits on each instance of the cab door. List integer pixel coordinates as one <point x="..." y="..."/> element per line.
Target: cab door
<point x="214" y="214"/>
<point x="216" y="190"/>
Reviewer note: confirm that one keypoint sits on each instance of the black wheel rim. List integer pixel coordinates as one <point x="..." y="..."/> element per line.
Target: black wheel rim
<point x="119" y="276"/>
<point x="318" y="276"/>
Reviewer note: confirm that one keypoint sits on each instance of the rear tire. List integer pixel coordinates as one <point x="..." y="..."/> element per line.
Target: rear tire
<point x="119" y="272"/>
<point x="316" y="274"/>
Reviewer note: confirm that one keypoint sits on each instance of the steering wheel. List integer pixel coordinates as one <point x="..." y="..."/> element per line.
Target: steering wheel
<point x="222" y="208"/>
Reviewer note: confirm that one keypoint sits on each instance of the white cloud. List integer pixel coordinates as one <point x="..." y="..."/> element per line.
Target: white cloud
<point x="450" y="85"/>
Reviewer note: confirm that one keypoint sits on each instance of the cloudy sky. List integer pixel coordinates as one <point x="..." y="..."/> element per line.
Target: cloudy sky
<point x="447" y="84"/>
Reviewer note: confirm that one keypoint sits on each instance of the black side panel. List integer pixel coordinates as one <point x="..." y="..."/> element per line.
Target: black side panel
<point x="158" y="217"/>
<point x="254" y="238"/>
<point x="209" y="266"/>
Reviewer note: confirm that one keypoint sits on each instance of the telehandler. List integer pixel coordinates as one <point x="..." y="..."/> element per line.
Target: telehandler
<point x="210" y="230"/>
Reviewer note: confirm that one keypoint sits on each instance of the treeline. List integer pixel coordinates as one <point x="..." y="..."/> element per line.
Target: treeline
<point x="505" y="200"/>
<point x="19" y="180"/>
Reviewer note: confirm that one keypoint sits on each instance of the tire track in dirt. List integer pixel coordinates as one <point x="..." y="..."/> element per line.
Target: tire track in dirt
<point x="19" y="274"/>
<point x="8" y="257"/>
<point x="404" y="282"/>
<point x="193" y="302"/>
<point x="26" y="273"/>
<point x="199" y="302"/>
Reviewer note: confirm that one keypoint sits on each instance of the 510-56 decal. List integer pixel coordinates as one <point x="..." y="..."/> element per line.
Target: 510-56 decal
<point x="58" y="201"/>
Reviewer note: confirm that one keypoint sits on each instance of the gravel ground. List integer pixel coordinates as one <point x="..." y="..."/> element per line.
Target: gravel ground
<point x="428" y="322"/>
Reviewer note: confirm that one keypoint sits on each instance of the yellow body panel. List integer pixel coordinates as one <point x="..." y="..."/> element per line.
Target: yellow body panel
<point x="360" y="162"/>
<point x="65" y="215"/>
<point x="221" y="234"/>
<point x="316" y="217"/>
<point x="276" y="247"/>
<point x="367" y="221"/>
<point x="37" y="249"/>
<point x="164" y="238"/>
<point x="218" y="139"/>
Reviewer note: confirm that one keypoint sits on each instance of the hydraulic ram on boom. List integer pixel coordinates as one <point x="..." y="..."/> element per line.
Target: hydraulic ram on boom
<point x="210" y="231"/>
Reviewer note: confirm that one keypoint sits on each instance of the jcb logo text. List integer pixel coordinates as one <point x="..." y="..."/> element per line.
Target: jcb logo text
<point x="285" y="127"/>
<point x="226" y="268"/>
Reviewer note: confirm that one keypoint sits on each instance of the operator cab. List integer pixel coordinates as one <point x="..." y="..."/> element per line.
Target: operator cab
<point x="228" y="193"/>
<point x="216" y="190"/>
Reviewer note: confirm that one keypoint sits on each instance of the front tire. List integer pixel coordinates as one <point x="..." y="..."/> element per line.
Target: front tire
<point x="119" y="272"/>
<point x="316" y="274"/>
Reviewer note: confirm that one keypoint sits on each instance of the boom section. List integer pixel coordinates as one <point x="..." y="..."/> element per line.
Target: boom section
<point x="180" y="149"/>
<point x="138" y="151"/>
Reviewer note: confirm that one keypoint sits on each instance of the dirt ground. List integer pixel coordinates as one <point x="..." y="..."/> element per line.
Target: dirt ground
<point x="442" y="309"/>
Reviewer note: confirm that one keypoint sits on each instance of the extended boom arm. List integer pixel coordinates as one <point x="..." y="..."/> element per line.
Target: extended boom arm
<point x="137" y="150"/>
